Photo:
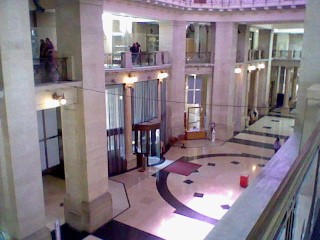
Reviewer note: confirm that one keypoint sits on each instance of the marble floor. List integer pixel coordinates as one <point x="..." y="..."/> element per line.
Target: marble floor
<point x="157" y="204"/>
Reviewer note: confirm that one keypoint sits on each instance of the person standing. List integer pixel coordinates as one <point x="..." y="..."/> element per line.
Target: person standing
<point x="42" y="46"/>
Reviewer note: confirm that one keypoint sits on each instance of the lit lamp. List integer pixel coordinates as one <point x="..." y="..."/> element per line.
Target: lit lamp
<point x="261" y="66"/>
<point x="60" y="99"/>
<point x="163" y="75"/>
<point x="130" y="80"/>
<point x="237" y="70"/>
<point x="252" y="68"/>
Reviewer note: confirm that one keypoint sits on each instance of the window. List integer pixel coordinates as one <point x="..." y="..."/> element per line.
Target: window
<point x="194" y="87"/>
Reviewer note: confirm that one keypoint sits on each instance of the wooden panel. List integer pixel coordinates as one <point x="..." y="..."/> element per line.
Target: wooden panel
<point x="196" y="135"/>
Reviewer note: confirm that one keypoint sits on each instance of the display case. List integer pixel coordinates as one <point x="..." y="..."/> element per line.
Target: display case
<point x="195" y="123"/>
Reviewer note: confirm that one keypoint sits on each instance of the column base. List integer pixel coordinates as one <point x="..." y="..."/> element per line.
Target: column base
<point x="42" y="234"/>
<point x="92" y="215"/>
<point x="285" y="110"/>
<point x="131" y="161"/>
<point x="224" y="132"/>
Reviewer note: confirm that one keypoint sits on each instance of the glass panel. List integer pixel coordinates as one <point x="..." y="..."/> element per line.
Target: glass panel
<point x="43" y="156"/>
<point x="194" y="119"/>
<point x="53" y="152"/>
<point x="190" y="97"/>
<point x="191" y="82"/>
<point x="50" y="117"/>
<point x="198" y="83"/>
<point x="197" y="97"/>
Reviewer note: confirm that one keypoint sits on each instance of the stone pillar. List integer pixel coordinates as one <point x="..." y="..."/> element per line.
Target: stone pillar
<point x="294" y="86"/>
<point x="224" y="78"/>
<point x="159" y="98"/>
<point x="285" y="108"/>
<point x="256" y="92"/>
<point x="88" y="203"/>
<point x="276" y="75"/>
<point x="130" y="157"/>
<point x="172" y="38"/>
<point x="22" y="209"/>
<point x="309" y="67"/>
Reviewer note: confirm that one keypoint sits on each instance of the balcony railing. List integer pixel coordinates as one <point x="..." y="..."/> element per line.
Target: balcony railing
<point x="144" y="59"/>
<point x="255" y="55"/>
<point x="50" y="70"/>
<point x="129" y="60"/>
<point x="230" y="4"/>
<point x="198" y="57"/>
<point x="286" y="54"/>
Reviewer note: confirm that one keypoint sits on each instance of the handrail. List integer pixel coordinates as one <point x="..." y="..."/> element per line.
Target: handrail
<point x="281" y="200"/>
<point x="230" y="4"/>
<point x="271" y="199"/>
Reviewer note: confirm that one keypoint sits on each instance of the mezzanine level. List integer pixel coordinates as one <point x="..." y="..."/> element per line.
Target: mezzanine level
<point x="228" y="5"/>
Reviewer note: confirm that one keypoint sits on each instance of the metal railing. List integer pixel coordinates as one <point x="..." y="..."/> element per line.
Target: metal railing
<point x="286" y="54"/>
<point x="198" y="57"/>
<point x="231" y="4"/>
<point x="255" y="54"/>
<point x="112" y="60"/>
<point x="50" y="70"/>
<point x="129" y="60"/>
<point x="283" y="201"/>
<point x="143" y="59"/>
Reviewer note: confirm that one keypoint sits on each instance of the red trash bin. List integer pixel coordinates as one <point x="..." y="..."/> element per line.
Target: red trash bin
<point x="244" y="180"/>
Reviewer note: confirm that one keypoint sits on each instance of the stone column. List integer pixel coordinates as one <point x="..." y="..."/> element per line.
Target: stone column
<point x="294" y="86"/>
<point x="130" y="157"/>
<point x="172" y="38"/>
<point x="22" y="209"/>
<point x="224" y="78"/>
<point x="285" y="108"/>
<point x="88" y="203"/>
<point x="256" y="92"/>
<point x="159" y="98"/>
<point x="309" y="68"/>
<point x="276" y="86"/>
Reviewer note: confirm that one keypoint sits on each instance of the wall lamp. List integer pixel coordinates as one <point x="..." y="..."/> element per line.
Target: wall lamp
<point x="261" y="66"/>
<point x="237" y="70"/>
<point x="60" y="99"/>
<point x="163" y="75"/>
<point x="130" y="80"/>
<point x="252" y="68"/>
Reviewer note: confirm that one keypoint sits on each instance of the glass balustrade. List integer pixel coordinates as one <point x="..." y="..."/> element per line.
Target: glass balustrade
<point x="50" y="70"/>
<point x="198" y="57"/>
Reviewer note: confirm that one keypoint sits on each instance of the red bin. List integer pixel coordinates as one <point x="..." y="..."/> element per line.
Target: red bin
<point x="244" y="181"/>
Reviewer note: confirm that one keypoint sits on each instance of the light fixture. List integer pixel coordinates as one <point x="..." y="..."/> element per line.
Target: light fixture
<point x="261" y="66"/>
<point x="61" y="99"/>
<point x="252" y="68"/>
<point x="130" y="80"/>
<point x="237" y="70"/>
<point x="163" y="75"/>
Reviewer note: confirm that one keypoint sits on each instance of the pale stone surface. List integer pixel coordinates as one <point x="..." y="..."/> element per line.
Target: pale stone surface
<point x="88" y="205"/>
<point x="309" y="71"/>
<point x="22" y="202"/>
<point x="224" y="78"/>
<point x="172" y="36"/>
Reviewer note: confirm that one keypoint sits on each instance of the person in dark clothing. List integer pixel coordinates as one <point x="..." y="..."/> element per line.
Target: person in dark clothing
<point x="276" y="145"/>
<point x="42" y="46"/>
<point x="134" y="49"/>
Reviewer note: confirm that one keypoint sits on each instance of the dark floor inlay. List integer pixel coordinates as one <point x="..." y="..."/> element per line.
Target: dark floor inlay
<point x="115" y="230"/>
<point x="267" y="127"/>
<point x="251" y="143"/>
<point x="264" y="134"/>
<point x="225" y="206"/>
<point x="261" y="165"/>
<point x="69" y="233"/>
<point x="254" y="156"/>
<point x="275" y="120"/>
<point x="196" y="171"/>
<point x="235" y="162"/>
<point x="200" y="195"/>
<point x="188" y="181"/>
<point x="211" y="164"/>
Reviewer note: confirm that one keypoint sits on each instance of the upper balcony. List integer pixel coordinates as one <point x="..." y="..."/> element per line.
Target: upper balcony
<point x="127" y="60"/>
<point x="222" y="5"/>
